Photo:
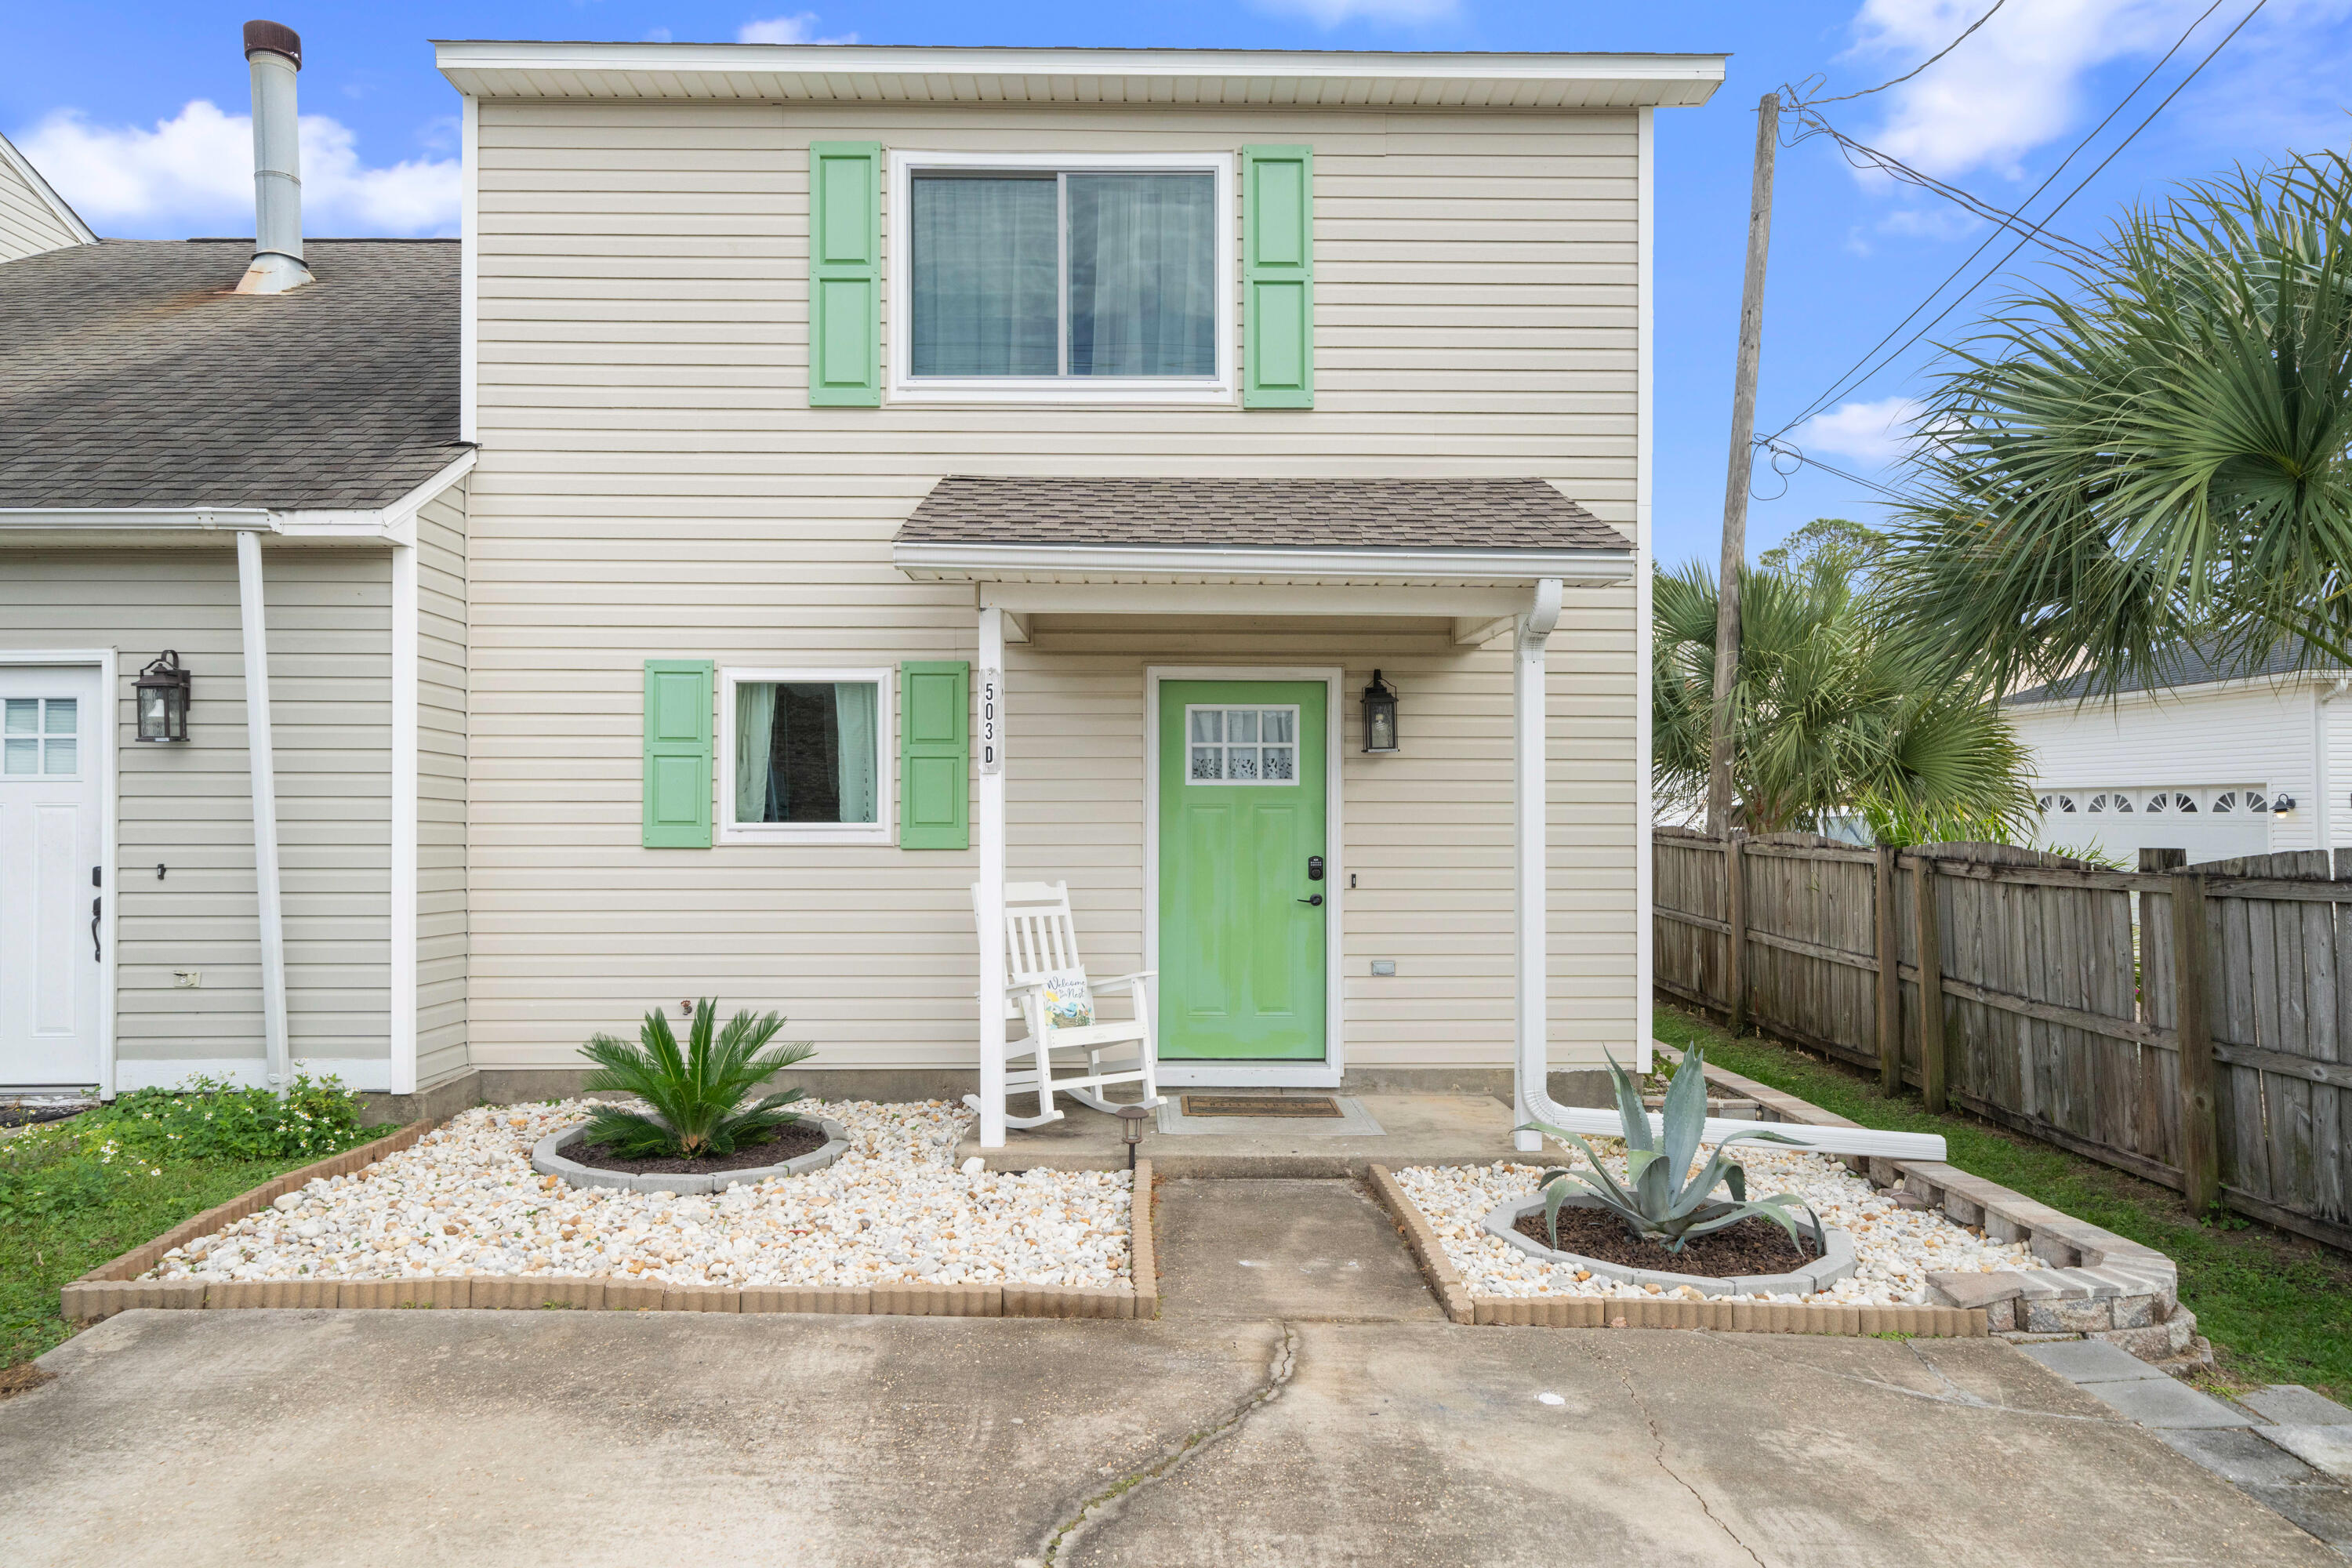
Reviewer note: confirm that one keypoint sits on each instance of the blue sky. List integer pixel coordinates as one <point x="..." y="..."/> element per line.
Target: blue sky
<point x="136" y="114"/>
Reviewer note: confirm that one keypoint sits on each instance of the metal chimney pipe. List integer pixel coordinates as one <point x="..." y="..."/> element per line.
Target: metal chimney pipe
<point x="274" y="53"/>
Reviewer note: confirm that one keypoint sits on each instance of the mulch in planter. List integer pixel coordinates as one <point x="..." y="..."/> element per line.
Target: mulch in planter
<point x="803" y="1137"/>
<point x="1752" y="1247"/>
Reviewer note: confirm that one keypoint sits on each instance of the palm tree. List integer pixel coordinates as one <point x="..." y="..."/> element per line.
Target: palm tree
<point x="2153" y="454"/>
<point x="1835" y="712"/>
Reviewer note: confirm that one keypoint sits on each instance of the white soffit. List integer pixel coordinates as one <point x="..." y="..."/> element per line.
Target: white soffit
<point x="1280" y="79"/>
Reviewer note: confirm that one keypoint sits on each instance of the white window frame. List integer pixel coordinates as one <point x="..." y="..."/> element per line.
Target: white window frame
<point x="882" y="830"/>
<point x="1224" y="746"/>
<point x="906" y="387"/>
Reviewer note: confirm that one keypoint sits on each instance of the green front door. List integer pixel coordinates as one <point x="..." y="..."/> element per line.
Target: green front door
<point x="1241" y="811"/>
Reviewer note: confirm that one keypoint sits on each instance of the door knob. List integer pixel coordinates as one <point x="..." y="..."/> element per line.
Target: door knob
<point x="1315" y="899"/>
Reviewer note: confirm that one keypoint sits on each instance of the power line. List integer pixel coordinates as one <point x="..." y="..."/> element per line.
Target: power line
<point x="1795" y="102"/>
<point x="1849" y="382"/>
<point x="1887" y="164"/>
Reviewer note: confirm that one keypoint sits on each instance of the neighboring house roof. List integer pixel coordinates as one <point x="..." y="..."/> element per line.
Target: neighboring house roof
<point x="131" y="375"/>
<point x="33" y="217"/>
<point x="1253" y="78"/>
<point x="2186" y="667"/>
<point x="1287" y="513"/>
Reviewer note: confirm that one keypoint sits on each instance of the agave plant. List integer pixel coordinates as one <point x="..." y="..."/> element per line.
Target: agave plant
<point x="698" y="1095"/>
<point x="1660" y="1200"/>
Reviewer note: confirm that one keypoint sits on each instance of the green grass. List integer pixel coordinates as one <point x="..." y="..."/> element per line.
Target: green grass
<point x="76" y="1192"/>
<point x="2278" y="1309"/>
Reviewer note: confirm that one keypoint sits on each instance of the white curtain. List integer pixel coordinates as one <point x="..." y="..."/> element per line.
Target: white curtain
<point x="986" y="293"/>
<point x="854" y="713"/>
<point x="1144" y="275"/>
<point x="755" y="726"/>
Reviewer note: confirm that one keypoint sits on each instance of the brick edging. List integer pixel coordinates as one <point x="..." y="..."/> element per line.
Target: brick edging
<point x="1660" y="1312"/>
<point x="1438" y="1270"/>
<point x="111" y="1287"/>
<point x="2094" y="1283"/>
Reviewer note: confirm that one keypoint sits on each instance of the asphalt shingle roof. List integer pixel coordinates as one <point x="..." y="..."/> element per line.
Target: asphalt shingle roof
<point x="131" y="375"/>
<point x="2184" y="667"/>
<point x="1307" y="514"/>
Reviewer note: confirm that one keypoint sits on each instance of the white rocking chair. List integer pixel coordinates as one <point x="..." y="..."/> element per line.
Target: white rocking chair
<point x="1041" y="941"/>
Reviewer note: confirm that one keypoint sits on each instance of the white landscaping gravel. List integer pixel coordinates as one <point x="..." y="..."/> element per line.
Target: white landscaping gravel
<point x="895" y="1209"/>
<point x="1895" y="1249"/>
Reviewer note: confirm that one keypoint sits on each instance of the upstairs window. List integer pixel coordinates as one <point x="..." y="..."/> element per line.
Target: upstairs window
<point x="1059" y="278"/>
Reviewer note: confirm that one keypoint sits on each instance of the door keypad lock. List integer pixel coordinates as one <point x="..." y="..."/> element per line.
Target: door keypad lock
<point x="1315" y="868"/>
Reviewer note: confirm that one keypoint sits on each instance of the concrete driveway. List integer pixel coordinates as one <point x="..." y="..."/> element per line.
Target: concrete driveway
<point x="582" y="1439"/>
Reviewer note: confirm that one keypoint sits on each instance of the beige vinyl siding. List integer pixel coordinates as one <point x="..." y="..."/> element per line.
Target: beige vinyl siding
<point x="653" y="484"/>
<point x="29" y="224"/>
<point x="441" y="788"/>
<point x="189" y="808"/>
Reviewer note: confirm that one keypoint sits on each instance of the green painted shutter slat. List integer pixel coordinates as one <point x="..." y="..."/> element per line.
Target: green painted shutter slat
<point x="934" y="755"/>
<point x="845" y="274"/>
<point x="678" y="713"/>
<point x="1278" y="276"/>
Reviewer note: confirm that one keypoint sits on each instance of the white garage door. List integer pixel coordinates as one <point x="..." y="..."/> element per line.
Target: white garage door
<point x="2211" y="822"/>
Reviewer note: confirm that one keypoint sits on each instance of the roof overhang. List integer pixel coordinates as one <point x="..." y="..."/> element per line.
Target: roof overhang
<point x="119" y="528"/>
<point x="1095" y="579"/>
<point x="1253" y="78"/>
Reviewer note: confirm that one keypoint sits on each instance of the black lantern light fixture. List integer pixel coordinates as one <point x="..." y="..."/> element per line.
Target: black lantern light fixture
<point x="164" y="700"/>
<point x="1380" y="715"/>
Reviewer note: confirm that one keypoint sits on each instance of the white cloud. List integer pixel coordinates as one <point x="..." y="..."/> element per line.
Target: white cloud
<point x="194" y="173"/>
<point x="1930" y="223"/>
<point x="1872" y="434"/>
<point x="800" y="28"/>
<point x="1329" y="14"/>
<point x="2017" y="83"/>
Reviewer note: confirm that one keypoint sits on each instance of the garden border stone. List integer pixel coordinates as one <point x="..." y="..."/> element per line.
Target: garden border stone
<point x="1653" y="1312"/>
<point x="2097" y="1285"/>
<point x="1835" y="1263"/>
<point x="112" y="1287"/>
<point x="547" y="1159"/>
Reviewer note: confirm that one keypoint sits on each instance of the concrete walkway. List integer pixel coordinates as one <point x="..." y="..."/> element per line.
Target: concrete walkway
<point x="579" y="1439"/>
<point x="1284" y="1249"/>
<point x="1415" y="1130"/>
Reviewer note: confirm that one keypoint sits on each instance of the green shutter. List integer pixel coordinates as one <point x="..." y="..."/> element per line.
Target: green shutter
<point x="679" y="711"/>
<point x="934" y="756"/>
<point x="844" y="274"/>
<point x="1278" y="276"/>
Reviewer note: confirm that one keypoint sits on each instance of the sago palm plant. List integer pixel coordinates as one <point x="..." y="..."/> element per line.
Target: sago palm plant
<point x="1661" y="1199"/>
<point x="2152" y="453"/>
<point x="698" y="1094"/>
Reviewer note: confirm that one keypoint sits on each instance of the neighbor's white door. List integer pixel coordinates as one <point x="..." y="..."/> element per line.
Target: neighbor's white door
<point x="52" y="837"/>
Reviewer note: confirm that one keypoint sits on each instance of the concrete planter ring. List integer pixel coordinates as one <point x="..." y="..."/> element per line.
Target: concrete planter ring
<point x="1835" y="1263"/>
<point x="547" y="1158"/>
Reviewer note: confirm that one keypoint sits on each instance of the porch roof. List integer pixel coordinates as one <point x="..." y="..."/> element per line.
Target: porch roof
<point x="1213" y="513"/>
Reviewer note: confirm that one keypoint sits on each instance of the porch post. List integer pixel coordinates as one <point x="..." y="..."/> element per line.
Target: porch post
<point x="991" y="879"/>
<point x="1528" y="811"/>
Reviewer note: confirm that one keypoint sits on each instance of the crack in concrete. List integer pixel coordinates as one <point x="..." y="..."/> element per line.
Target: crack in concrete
<point x="1658" y="1452"/>
<point x="1104" y="1505"/>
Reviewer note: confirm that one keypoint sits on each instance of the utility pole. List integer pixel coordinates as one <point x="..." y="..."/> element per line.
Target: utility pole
<point x="1735" y="489"/>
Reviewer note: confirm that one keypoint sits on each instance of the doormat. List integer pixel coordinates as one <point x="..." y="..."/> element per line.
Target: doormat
<point x="1284" y="1106"/>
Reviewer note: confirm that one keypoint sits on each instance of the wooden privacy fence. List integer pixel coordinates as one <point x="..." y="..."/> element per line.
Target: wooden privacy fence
<point x="2059" y="991"/>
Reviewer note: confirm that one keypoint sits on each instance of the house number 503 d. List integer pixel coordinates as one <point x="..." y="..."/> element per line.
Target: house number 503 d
<point x="992" y="731"/>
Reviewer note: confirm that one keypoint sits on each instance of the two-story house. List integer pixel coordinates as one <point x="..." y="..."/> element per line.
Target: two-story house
<point x="899" y="471"/>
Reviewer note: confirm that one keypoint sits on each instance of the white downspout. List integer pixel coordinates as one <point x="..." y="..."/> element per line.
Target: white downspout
<point x="1529" y="804"/>
<point x="401" y="1017"/>
<point x="262" y="767"/>
<point x="990" y="739"/>
<point x="2322" y="803"/>
<point x="1529" y="809"/>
